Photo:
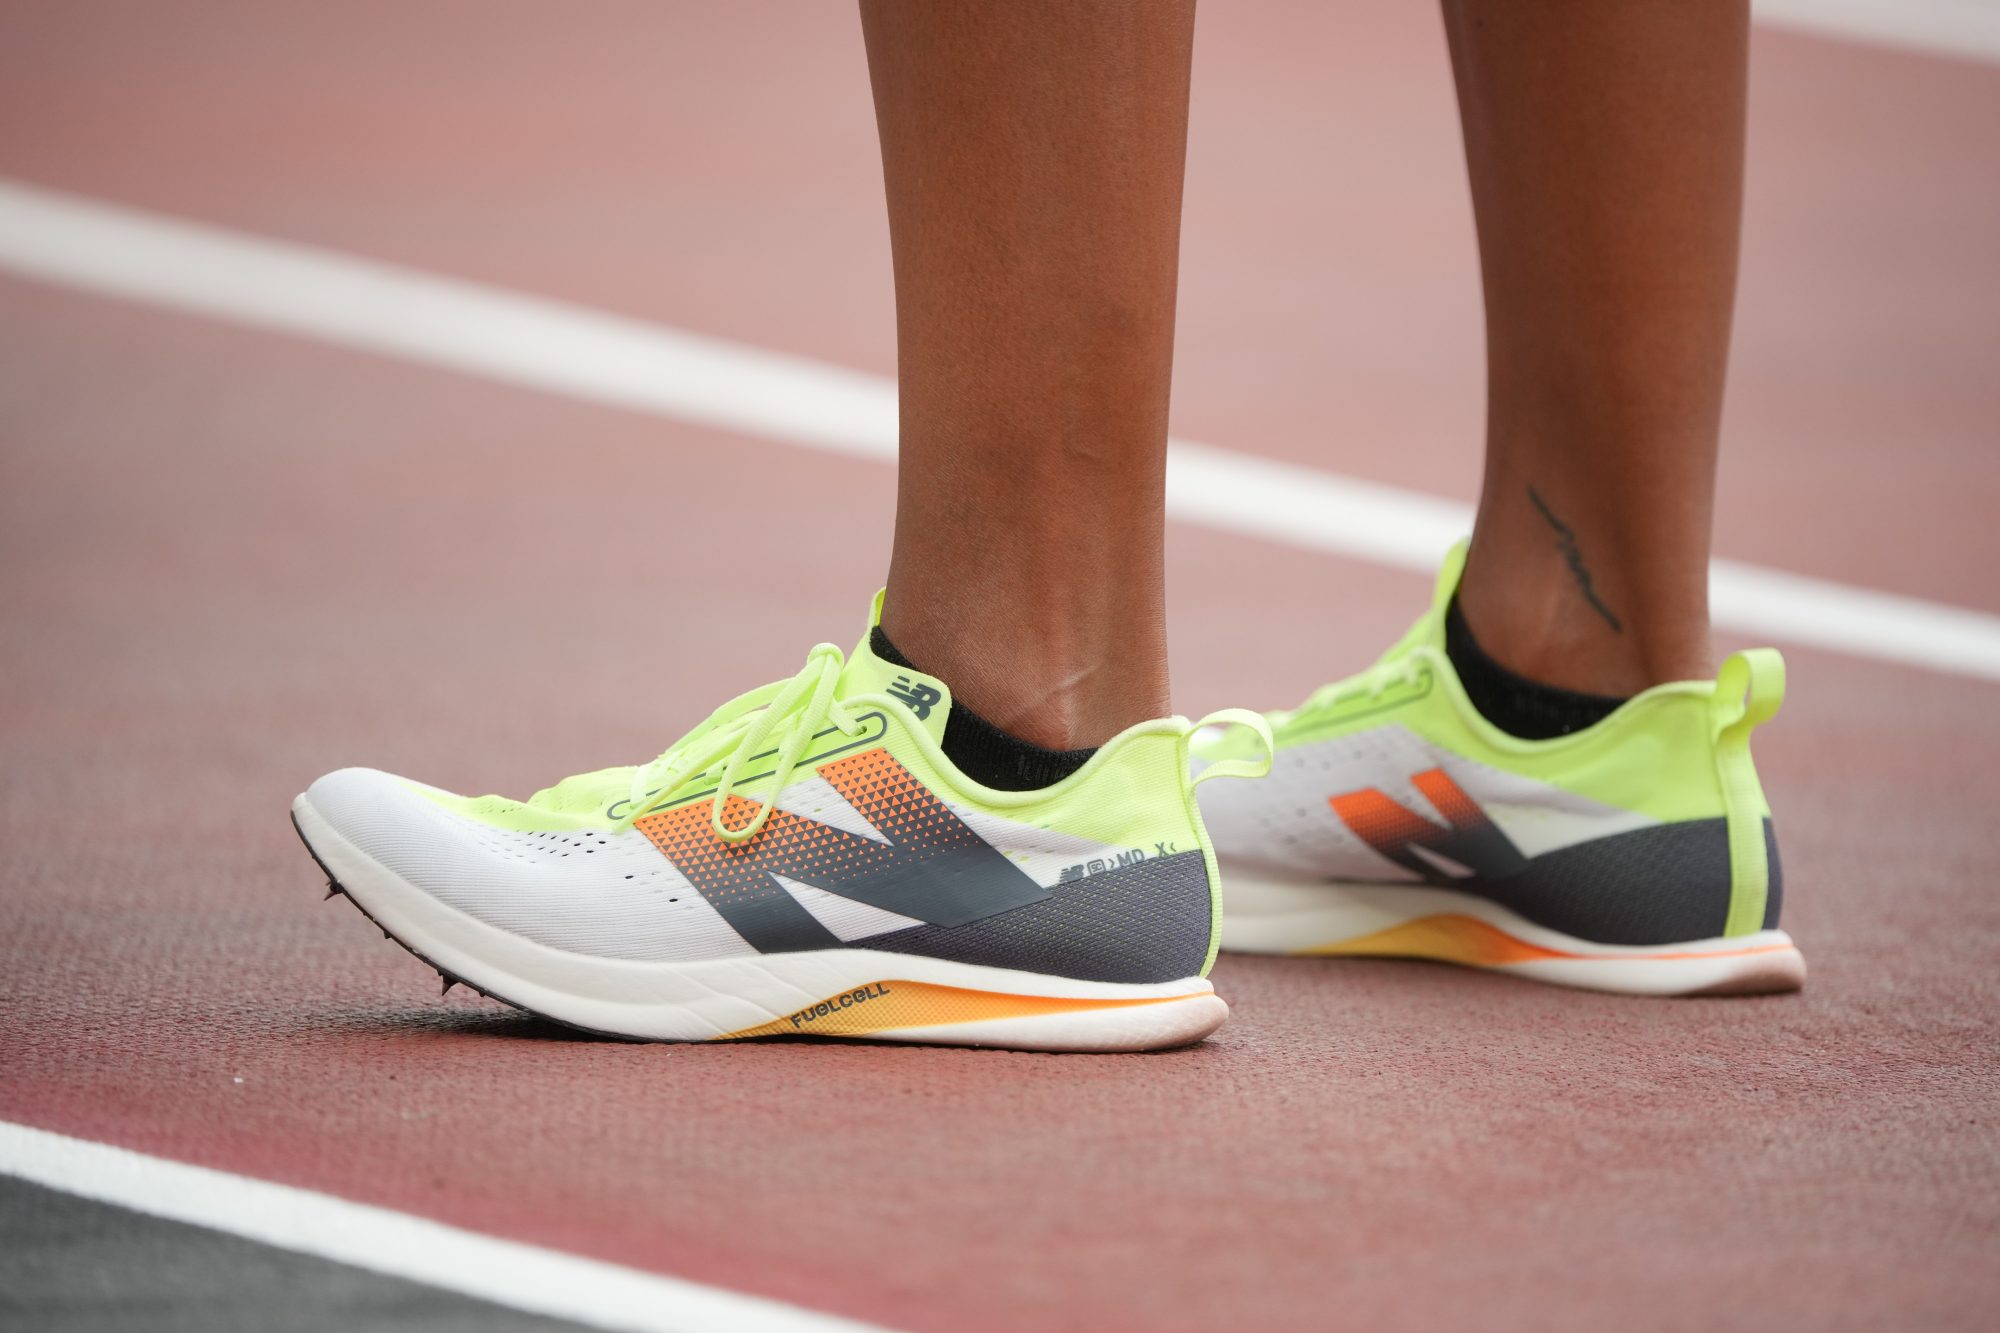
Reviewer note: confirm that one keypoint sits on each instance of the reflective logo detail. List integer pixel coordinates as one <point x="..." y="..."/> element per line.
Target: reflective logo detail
<point x="931" y="866"/>
<point x="844" y="1000"/>
<point x="1112" y="861"/>
<point x="920" y="698"/>
<point x="1469" y="846"/>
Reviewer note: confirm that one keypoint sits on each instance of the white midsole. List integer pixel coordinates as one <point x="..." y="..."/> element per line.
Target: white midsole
<point x="706" y="998"/>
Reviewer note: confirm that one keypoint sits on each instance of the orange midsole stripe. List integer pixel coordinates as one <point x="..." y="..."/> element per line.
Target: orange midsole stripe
<point x="881" y="1006"/>
<point x="1464" y="939"/>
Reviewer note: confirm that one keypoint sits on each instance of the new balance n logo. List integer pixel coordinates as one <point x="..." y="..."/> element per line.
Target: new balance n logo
<point x="1468" y="846"/>
<point x="932" y="867"/>
<point x="918" y="697"/>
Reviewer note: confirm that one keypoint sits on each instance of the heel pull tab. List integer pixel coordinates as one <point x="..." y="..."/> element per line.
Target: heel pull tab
<point x="1255" y="767"/>
<point x="1748" y="691"/>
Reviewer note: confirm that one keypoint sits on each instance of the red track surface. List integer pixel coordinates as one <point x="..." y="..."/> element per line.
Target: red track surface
<point x="233" y="561"/>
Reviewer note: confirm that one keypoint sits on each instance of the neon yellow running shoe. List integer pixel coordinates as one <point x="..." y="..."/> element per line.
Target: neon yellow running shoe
<point x="807" y="861"/>
<point x="1635" y="855"/>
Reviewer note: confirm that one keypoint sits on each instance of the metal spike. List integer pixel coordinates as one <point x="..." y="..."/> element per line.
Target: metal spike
<point x="332" y="890"/>
<point x="449" y="982"/>
<point x="386" y="935"/>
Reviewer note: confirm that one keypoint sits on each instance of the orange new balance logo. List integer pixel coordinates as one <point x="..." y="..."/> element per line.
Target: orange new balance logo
<point x="1469" y="845"/>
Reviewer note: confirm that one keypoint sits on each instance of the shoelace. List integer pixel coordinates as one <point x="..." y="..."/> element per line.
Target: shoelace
<point x="743" y="728"/>
<point x="1401" y="665"/>
<point x="1397" y="669"/>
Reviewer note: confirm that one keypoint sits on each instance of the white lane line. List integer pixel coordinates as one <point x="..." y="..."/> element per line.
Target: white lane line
<point x="587" y="354"/>
<point x="1967" y="29"/>
<point x="522" y="1277"/>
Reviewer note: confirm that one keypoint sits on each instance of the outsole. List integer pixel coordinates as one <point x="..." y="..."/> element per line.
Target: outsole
<point x="949" y="1004"/>
<point x="1271" y="916"/>
<point x="335" y="889"/>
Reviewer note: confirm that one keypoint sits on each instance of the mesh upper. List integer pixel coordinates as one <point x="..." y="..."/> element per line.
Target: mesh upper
<point x="1286" y="822"/>
<point x="605" y="894"/>
<point x="610" y="894"/>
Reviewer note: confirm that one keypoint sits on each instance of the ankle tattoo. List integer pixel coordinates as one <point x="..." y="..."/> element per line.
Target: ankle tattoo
<point x="1573" y="557"/>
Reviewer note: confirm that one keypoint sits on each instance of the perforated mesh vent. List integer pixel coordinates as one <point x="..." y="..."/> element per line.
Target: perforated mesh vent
<point x="604" y="894"/>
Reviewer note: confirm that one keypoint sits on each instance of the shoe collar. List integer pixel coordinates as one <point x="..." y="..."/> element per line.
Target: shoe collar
<point x="926" y="699"/>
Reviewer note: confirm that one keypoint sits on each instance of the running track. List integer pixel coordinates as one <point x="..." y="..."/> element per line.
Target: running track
<point x="234" y="559"/>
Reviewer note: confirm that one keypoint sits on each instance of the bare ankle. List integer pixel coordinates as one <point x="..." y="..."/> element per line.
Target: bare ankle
<point x="1060" y="687"/>
<point x="1539" y="605"/>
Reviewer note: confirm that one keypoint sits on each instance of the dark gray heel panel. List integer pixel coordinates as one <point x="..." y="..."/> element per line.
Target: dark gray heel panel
<point x="1143" y="922"/>
<point x="1775" y="895"/>
<point x="1661" y="885"/>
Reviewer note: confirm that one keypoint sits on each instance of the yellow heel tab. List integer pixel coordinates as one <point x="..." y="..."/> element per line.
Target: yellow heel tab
<point x="1749" y="690"/>
<point x="1254" y="767"/>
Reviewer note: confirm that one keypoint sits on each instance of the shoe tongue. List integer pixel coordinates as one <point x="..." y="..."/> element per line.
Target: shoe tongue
<point x="925" y="698"/>
<point x="1430" y="630"/>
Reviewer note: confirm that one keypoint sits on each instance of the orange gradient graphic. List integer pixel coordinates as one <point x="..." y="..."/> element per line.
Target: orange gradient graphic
<point x="883" y="1006"/>
<point x="1454" y="938"/>
<point x="1469" y="838"/>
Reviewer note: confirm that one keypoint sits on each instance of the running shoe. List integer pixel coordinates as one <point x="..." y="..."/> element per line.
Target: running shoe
<point x="1635" y="855"/>
<point x="808" y="862"/>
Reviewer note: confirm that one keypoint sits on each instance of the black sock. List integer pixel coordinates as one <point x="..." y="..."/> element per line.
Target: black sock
<point x="1518" y="706"/>
<point x="981" y="750"/>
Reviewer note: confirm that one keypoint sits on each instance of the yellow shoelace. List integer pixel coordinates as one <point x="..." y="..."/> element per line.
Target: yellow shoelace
<point x="1399" y="666"/>
<point x="743" y="728"/>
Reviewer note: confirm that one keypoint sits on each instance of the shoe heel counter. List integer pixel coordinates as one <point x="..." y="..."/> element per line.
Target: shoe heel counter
<point x="1774" y="890"/>
<point x="1186" y="854"/>
<point x="1238" y="766"/>
<point x="1714" y="870"/>
<point x="1174" y="903"/>
<point x="1668" y="884"/>
<point x="1748" y="692"/>
<point x="1211" y="870"/>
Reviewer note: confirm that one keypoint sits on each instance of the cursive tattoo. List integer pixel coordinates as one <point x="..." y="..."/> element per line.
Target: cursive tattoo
<point x="1573" y="557"/>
